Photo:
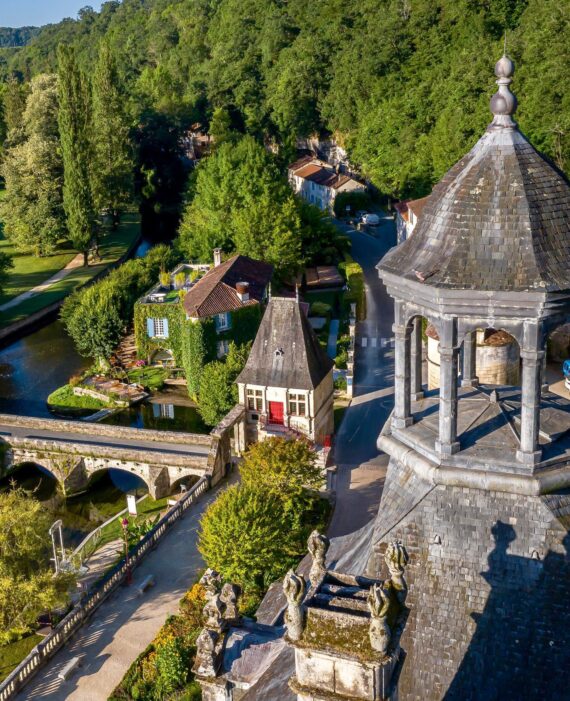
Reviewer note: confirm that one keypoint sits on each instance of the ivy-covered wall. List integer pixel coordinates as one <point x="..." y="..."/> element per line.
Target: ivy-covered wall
<point x="193" y="343"/>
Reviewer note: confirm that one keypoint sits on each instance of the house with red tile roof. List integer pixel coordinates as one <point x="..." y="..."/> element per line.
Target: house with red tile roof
<point x="319" y="183"/>
<point x="201" y="309"/>
<point x="407" y="215"/>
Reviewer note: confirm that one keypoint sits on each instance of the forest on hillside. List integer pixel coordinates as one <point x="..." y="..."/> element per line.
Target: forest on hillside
<point x="403" y="84"/>
<point x="17" y="37"/>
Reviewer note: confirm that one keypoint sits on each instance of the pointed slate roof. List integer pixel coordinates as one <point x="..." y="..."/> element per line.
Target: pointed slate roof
<point x="499" y="220"/>
<point x="286" y="351"/>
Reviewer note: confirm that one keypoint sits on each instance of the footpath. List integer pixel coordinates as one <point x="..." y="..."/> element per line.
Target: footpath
<point x="73" y="264"/>
<point x="125" y="624"/>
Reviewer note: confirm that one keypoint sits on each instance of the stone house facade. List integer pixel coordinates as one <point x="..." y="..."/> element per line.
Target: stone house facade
<point x="287" y="384"/>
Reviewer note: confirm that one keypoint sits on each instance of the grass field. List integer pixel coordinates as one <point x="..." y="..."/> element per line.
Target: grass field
<point x="114" y="243"/>
<point x="12" y="654"/>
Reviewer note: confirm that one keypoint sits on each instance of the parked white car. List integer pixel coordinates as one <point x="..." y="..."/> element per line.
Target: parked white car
<point x="371" y="219"/>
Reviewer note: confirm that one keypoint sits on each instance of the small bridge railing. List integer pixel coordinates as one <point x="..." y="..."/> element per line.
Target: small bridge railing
<point x="69" y="625"/>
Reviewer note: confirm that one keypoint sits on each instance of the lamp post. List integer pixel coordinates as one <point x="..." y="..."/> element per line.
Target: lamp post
<point x="125" y="526"/>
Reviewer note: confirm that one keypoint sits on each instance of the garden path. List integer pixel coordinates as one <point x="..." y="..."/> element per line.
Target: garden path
<point x="125" y="624"/>
<point x="74" y="263"/>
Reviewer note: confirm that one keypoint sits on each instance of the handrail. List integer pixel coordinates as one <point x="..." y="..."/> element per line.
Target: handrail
<point x="97" y="531"/>
<point x="47" y="648"/>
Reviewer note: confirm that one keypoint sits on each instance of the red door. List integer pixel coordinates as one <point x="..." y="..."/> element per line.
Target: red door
<point x="276" y="412"/>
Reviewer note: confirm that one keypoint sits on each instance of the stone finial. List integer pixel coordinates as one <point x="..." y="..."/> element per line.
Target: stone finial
<point x="212" y="582"/>
<point x="318" y="545"/>
<point x="396" y="559"/>
<point x="214" y="614"/>
<point x="503" y="102"/>
<point x="294" y="590"/>
<point x="206" y="662"/>
<point x="378" y="604"/>
<point x="229" y="597"/>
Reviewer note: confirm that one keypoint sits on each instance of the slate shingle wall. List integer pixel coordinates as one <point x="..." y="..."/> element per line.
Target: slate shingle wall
<point x="487" y="621"/>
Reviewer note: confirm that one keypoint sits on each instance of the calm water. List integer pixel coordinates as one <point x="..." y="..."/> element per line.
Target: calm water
<point x="161" y="417"/>
<point x="33" y="367"/>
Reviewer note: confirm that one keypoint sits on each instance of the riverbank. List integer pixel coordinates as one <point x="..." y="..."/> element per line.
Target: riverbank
<point x="115" y="247"/>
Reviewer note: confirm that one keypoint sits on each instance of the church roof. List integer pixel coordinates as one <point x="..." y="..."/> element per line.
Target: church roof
<point x="286" y="351"/>
<point x="498" y="220"/>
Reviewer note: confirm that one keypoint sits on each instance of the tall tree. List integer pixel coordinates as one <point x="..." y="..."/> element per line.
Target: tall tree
<point x="112" y="149"/>
<point x="74" y="126"/>
<point x="32" y="208"/>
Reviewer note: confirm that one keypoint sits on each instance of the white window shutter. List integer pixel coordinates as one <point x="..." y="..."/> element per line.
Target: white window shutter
<point x="150" y="327"/>
<point x="165" y="326"/>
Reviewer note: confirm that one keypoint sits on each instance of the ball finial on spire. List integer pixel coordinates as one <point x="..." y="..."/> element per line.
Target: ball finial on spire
<point x="503" y="102"/>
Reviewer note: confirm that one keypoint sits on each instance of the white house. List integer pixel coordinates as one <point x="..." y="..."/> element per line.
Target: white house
<point x="287" y="383"/>
<point x="407" y="215"/>
<point x="320" y="184"/>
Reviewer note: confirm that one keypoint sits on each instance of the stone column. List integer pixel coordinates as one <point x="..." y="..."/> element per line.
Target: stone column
<point x="530" y="452"/>
<point x="402" y="416"/>
<point x="416" y="361"/>
<point x="469" y="356"/>
<point x="447" y="443"/>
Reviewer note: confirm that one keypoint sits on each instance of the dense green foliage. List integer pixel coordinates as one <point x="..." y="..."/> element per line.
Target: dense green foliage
<point x="5" y="265"/>
<point x="217" y="390"/>
<point x="19" y="36"/>
<point x="404" y="84"/>
<point x="74" y="119"/>
<point x="97" y="317"/>
<point x="32" y="209"/>
<point x="27" y="584"/>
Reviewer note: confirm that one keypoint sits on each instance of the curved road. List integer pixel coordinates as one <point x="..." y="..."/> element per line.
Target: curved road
<point x="360" y="468"/>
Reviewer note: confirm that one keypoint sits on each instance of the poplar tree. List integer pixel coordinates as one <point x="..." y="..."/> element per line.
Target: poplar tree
<point x="74" y="125"/>
<point x="112" y="149"/>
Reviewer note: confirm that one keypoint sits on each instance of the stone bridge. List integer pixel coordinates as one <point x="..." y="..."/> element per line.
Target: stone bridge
<point x="73" y="451"/>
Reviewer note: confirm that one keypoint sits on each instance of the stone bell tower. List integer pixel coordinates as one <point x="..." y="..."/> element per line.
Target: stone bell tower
<point x="478" y="484"/>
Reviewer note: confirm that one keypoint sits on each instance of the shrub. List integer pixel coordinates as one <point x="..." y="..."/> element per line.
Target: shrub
<point x="341" y="359"/>
<point x="320" y="309"/>
<point x="356" y="201"/>
<point x="244" y="535"/>
<point x="340" y="383"/>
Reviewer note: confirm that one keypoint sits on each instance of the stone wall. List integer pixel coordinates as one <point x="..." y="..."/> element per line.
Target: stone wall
<point x="489" y="590"/>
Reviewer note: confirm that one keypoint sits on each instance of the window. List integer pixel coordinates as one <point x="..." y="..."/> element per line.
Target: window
<point x="297" y="404"/>
<point x="255" y="399"/>
<point x="163" y="411"/>
<point x="223" y="348"/>
<point x="157" y="328"/>
<point x="222" y="321"/>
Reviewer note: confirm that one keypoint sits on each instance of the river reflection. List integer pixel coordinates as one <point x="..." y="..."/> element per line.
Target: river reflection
<point x="33" y="367"/>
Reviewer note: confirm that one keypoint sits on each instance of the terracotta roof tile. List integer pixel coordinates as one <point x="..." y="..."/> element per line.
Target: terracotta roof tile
<point x="216" y="292"/>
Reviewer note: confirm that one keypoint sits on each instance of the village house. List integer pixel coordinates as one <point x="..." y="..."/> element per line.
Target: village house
<point x="320" y="184"/>
<point x="287" y="383"/>
<point x="407" y="215"/>
<point x="200" y="310"/>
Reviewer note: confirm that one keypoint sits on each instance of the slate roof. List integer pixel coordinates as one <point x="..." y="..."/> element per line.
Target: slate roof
<point x="498" y="220"/>
<point x="286" y="351"/>
<point x="216" y="292"/>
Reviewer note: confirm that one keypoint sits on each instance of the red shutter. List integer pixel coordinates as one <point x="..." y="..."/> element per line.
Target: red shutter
<point x="276" y="412"/>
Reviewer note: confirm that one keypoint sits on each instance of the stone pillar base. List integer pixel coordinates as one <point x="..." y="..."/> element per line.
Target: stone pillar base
<point x="447" y="448"/>
<point x="529" y="458"/>
<point x="467" y="382"/>
<point x="416" y="396"/>
<point x="402" y="422"/>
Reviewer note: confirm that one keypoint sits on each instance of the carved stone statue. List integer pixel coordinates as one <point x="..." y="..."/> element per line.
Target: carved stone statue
<point x="294" y="590"/>
<point x="378" y="603"/>
<point x="214" y="614"/>
<point x="318" y="546"/>
<point x="206" y="662"/>
<point x="229" y="597"/>
<point x="396" y="559"/>
<point x="212" y="582"/>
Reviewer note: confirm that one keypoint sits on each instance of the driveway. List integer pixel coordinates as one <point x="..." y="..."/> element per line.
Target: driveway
<point x="360" y="468"/>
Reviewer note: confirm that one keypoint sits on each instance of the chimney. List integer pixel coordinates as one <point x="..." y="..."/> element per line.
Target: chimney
<point x="242" y="289"/>
<point x="217" y="257"/>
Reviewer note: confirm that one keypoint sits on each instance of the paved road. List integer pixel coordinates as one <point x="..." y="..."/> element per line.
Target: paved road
<point x="125" y="624"/>
<point x="122" y="443"/>
<point x="361" y="470"/>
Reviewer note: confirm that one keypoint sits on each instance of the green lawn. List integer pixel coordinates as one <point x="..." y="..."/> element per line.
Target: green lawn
<point x="11" y="655"/>
<point x="114" y="243"/>
<point x="64" y="398"/>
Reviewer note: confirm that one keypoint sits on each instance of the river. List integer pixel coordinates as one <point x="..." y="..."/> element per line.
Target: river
<point x="36" y="365"/>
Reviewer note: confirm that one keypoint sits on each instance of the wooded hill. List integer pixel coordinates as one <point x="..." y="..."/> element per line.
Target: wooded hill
<point x="17" y="37"/>
<point x="404" y="84"/>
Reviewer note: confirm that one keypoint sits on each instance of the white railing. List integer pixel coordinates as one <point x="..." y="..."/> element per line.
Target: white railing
<point x="93" y="539"/>
<point x="44" y="650"/>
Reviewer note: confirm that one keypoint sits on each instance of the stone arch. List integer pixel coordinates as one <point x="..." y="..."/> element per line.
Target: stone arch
<point x="188" y="480"/>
